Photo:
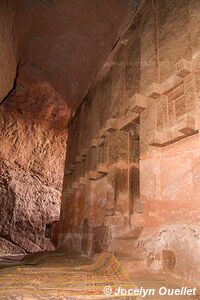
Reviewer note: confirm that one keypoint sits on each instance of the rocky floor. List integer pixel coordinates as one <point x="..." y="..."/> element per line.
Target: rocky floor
<point x="56" y="276"/>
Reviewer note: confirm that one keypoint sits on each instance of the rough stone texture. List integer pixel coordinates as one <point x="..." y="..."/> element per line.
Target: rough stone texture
<point x="66" y="42"/>
<point x="49" y="51"/>
<point x="7" y="247"/>
<point x="167" y="248"/>
<point x="8" y="47"/>
<point x="145" y="206"/>
<point x="33" y="137"/>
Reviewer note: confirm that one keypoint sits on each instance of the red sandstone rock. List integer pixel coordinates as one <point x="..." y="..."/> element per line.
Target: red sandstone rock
<point x="32" y="153"/>
<point x="66" y="43"/>
<point x="63" y="44"/>
<point x="7" y="247"/>
<point x="8" y="47"/>
<point x="146" y="206"/>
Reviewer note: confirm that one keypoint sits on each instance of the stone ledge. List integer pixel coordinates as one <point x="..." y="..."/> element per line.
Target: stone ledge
<point x="185" y="127"/>
<point x="138" y="103"/>
<point x="166" y="137"/>
<point x="100" y="141"/>
<point x="127" y="121"/>
<point x="111" y="125"/>
<point x="183" y="68"/>
<point x="93" y="143"/>
<point x="93" y="175"/>
<point x="84" y="153"/>
<point x="102" y="133"/>
<point x="154" y="90"/>
<point x="102" y="168"/>
<point x="171" y="84"/>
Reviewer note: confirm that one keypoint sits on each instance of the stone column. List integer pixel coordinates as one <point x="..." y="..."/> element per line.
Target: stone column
<point x="118" y="181"/>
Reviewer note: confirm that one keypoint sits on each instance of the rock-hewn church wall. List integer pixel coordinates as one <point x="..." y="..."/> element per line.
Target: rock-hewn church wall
<point x="132" y="179"/>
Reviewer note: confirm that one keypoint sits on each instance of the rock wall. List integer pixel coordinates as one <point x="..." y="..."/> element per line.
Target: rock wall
<point x="33" y="134"/>
<point x="131" y="180"/>
<point x="8" y="46"/>
<point x="67" y="42"/>
<point x="39" y="64"/>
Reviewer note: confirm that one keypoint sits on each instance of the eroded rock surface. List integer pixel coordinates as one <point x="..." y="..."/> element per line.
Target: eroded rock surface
<point x="132" y="185"/>
<point x="8" y="47"/>
<point x="66" y="42"/>
<point x="48" y="50"/>
<point x="33" y="133"/>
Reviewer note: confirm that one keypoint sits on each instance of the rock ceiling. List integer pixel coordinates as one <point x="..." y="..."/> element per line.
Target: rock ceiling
<point x="66" y="42"/>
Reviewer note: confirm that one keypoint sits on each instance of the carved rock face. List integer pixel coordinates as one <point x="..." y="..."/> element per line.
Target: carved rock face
<point x="49" y="51"/>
